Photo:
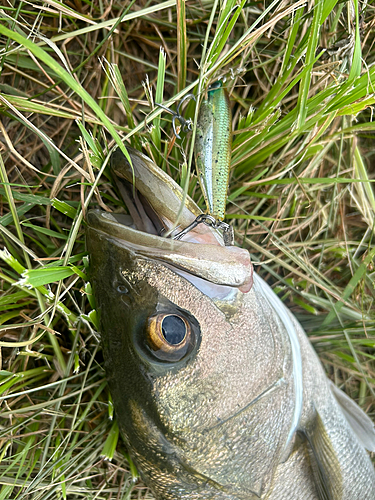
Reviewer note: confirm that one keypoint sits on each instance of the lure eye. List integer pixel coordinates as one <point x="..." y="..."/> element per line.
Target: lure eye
<point x="169" y="336"/>
<point x="216" y="85"/>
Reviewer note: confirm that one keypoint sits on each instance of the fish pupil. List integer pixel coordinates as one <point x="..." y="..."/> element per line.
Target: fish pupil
<point x="173" y="329"/>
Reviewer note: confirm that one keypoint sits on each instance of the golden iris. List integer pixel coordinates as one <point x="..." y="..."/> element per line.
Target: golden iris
<point x="169" y="336"/>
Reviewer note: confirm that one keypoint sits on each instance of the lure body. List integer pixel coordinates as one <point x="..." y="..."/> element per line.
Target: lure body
<point x="213" y="142"/>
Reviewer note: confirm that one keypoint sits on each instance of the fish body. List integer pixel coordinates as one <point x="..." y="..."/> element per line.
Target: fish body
<point x="201" y="367"/>
<point x="213" y="142"/>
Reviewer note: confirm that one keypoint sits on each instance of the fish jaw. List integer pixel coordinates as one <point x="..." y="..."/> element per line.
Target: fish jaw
<point x="210" y="264"/>
<point x="161" y="201"/>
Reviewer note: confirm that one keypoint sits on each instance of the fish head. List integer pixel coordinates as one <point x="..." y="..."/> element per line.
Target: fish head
<point x="198" y="364"/>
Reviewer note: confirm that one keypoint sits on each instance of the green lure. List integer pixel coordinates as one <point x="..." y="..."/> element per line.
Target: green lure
<point x="213" y="142"/>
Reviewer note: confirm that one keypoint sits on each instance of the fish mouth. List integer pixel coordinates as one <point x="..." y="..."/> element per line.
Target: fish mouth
<point x="157" y="206"/>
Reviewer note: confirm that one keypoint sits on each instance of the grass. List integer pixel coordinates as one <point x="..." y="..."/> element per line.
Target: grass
<point x="79" y="77"/>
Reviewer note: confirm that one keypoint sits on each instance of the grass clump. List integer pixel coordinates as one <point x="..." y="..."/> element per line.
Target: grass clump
<point x="78" y="78"/>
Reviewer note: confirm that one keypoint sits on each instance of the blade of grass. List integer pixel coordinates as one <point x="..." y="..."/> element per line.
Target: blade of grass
<point x="349" y="289"/>
<point x="310" y="58"/>
<point x="356" y="66"/>
<point x="182" y="43"/>
<point x="156" y="132"/>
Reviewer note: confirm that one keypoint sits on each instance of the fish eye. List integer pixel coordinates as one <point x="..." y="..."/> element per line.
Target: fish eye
<point x="169" y="336"/>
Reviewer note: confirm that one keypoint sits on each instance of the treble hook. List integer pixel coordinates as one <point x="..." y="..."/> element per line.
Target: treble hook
<point x="210" y="221"/>
<point x="187" y="125"/>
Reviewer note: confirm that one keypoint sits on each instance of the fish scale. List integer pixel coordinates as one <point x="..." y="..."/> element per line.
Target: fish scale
<point x="213" y="148"/>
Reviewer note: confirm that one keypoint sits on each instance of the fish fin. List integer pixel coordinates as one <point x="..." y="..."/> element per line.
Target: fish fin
<point x="359" y="422"/>
<point x="323" y="458"/>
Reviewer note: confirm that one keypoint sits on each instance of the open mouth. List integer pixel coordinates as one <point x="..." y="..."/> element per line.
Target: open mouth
<point x="157" y="206"/>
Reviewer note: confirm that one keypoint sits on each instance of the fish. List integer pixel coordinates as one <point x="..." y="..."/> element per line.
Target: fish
<point x="213" y="148"/>
<point x="217" y="390"/>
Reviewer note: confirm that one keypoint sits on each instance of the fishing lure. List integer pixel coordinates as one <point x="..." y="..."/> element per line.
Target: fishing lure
<point x="212" y="148"/>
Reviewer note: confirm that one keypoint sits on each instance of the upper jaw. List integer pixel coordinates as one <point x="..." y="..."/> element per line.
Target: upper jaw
<point x="155" y="206"/>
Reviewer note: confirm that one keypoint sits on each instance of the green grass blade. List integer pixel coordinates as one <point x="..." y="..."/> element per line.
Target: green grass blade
<point x="182" y="43"/>
<point x="356" y="66"/>
<point x="349" y="289"/>
<point x="310" y="58"/>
